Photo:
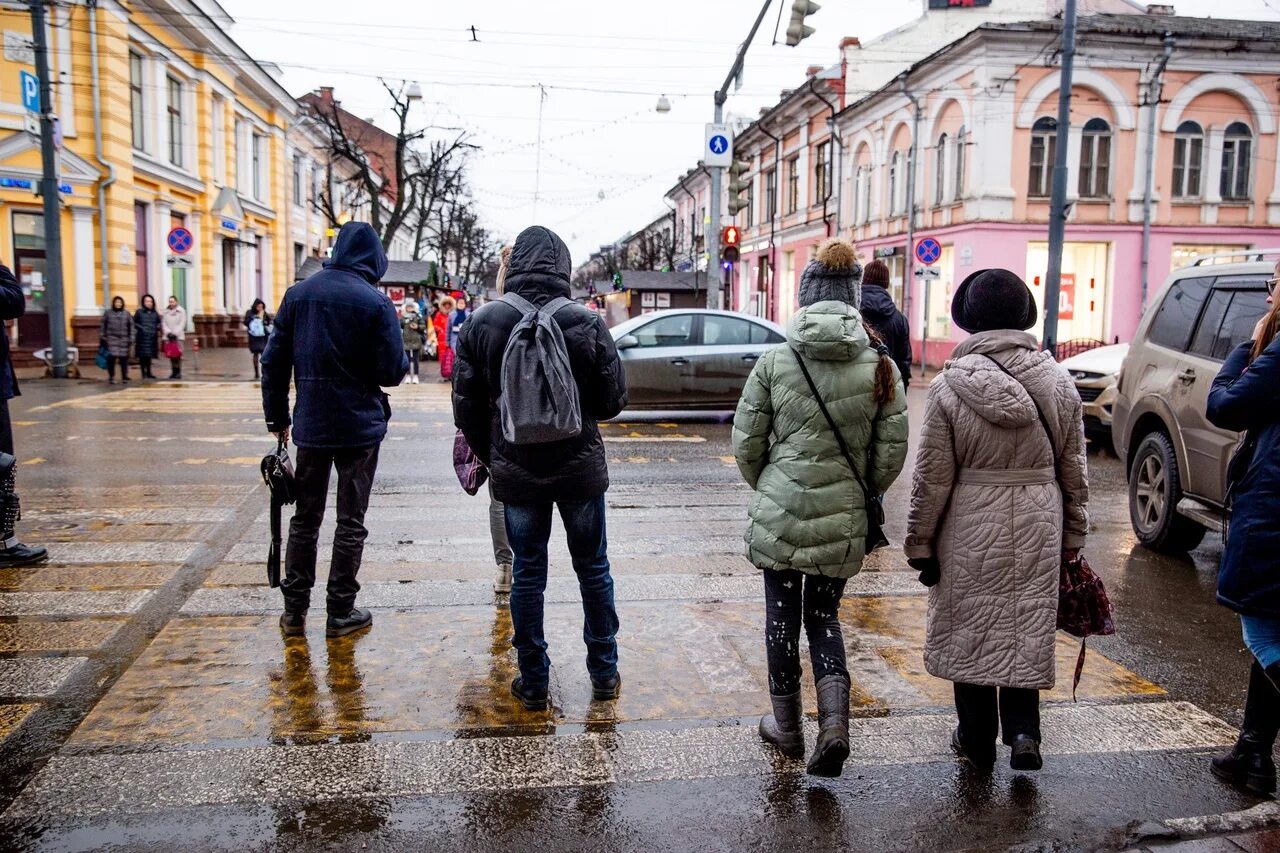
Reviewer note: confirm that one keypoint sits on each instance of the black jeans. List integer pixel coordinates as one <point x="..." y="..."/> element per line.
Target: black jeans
<point x="112" y="361"/>
<point x="356" y="467"/>
<point x="144" y="365"/>
<point x="983" y="715"/>
<point x="175" y="368"/>
<point x="415" y="355"/>
<point x="6" y="429"/>
<point x="791" y="598"/>
<point x="529" y="529"/>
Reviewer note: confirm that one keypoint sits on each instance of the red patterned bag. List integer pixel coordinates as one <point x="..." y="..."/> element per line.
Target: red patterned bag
<point x="470" y="470"/>
<point x="1084" y="610"/>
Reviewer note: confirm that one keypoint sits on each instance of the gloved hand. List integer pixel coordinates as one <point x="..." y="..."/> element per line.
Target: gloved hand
<point x="929" y="568"/>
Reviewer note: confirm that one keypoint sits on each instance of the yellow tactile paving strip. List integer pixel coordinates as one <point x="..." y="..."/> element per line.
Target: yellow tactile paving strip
<point x="11" y="716"/>
<point x="49" y="577"/>
<point x="79" y="635"/>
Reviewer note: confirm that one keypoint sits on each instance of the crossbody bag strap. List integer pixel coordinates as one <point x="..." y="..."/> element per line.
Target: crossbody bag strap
<point x="844" y="448"/>
<point x="1044" y="422"/>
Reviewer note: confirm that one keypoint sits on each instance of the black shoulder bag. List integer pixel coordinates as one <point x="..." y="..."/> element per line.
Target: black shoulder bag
<point x="873" y="502"/>
<point x="277" y="473"/>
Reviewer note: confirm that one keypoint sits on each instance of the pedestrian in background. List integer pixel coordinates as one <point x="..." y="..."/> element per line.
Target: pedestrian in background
<point x="146" y="331"/>
<point x="456" y="319"/>
<point x="117" y="336"/>
<point x="441" y="322"/>
<point x="1246" y="398"/>
<point x="809" y="516"/>
<point x="413" y="331"/>
<point x="338" y="337"/>
<point x="12" y="552"/>
<point x="258" y="323"/>
<point x="497" y="512"/>
<point x="999" y="500"/>
<point x="173" y="325"/>
<point x="533" y="480"/>
<point x="879" y="312"/>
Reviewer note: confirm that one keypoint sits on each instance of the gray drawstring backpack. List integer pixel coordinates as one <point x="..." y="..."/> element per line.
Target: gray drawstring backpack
<point x="539" y="401"/>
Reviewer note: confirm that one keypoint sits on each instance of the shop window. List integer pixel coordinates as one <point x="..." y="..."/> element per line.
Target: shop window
<point x="1178" y="313"/>
<point x="174" y="109"/>
<point x="1188" y="155"/>
<point x="940" y="171"/>
<point x="1237" y="152"/>
<point x="1044" y="140"/>
<point x="939" y="296"/>
<point x="137" y="113"/>
<point x="1095" y="159"/>
<point x="961" y="141"/>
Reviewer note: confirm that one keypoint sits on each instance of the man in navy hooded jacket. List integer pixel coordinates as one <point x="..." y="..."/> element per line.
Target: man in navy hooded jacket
<point x="339" y="339"/>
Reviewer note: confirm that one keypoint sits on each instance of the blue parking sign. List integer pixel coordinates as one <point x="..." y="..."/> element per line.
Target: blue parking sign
<point x="30" y="85"/>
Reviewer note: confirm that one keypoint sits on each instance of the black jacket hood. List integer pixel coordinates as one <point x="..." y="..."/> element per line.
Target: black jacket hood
<point x="539" y="265"/>
<point x="359" y="250"/>
<point x="877" y="304"/>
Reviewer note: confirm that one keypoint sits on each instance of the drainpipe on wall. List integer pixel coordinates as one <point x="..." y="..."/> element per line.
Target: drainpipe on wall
<point x="773" y="221"/>
<point x="836" y="149"/>
<point x="1155" y="87"/>
<point x="104" y="247"/>
<point x="908" y="266"/>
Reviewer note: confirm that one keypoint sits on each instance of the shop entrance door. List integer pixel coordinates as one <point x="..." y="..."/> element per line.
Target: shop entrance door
<point x="30" y="268"/>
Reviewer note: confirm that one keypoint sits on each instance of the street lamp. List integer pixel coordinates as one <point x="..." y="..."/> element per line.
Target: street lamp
<point x="413" y="93"/>
<point x="664" y="105"/>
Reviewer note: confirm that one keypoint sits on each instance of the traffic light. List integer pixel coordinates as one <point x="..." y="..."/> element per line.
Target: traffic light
<point x="798" y="31"/>
<point x="738" y="185"/>
<point x="730" y="235"/>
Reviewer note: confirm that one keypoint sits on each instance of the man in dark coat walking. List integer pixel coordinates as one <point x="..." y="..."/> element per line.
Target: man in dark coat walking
<point x="879" y="312"/>
<point x="339" y="338"/>
<point x="12" y="552"/>
<point x="571" y="474"/>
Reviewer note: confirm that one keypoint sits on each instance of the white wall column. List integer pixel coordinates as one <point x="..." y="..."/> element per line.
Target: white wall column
<point x="85" y="251"/>
<point x="158" y="277"/>
<point x="1211" y="175"/>
<point x="217" y="272"/>
<point x="802" y="167"/>
<point x="1075" y="139"/>
<point x="197" y="276"/>
<point x="991" y="157"/>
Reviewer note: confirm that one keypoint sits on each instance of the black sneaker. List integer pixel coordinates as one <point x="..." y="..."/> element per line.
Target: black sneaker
<point x="22" y="555"/>
<point x="356" y="620"/>
<point x="532" y="698"/>
<point x="293" y="624"/>
<point x="607" y="690"/>
<point x="1026" y="753"/>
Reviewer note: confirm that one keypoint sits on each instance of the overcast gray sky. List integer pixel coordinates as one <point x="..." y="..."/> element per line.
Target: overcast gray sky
<point x="607" y="157"/>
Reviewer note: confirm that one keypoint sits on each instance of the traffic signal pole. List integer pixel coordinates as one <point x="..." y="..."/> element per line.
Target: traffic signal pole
<point x="52" y="201"/>
<point x="715" y="294"/>
<point x="1058" y="197"/>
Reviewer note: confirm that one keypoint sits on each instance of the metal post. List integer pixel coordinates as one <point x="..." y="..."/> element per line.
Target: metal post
<point x="908" y="263"/>
<point x="52" y="202"/>
<point x="714" y="273"/>
<point x="1152" y="99"/>
<point x="1058" y="198"/>
<point x="537" y="165"/>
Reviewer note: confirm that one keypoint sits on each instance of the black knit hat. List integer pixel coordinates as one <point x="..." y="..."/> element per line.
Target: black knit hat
<point x="876" y="272"/>
<point x="993" y="299"/>
<point x="834" y="275"/>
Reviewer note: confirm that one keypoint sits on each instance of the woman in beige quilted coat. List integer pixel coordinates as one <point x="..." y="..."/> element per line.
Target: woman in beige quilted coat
<point x="994" y="507"/>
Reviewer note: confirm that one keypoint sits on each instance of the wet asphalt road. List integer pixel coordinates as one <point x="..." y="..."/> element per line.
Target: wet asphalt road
<point x="146" y="698"/>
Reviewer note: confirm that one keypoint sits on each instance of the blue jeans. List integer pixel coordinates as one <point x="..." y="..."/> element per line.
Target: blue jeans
<point x="1262" y="636"/>
<point x="529" y="529"/>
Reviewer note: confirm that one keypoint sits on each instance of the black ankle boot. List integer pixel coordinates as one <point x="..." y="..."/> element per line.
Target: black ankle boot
<point x="1249" y="764"/>
<point x="356" y="620"/>
<point x="782" y="727"/>
<point x="832" y="746"/>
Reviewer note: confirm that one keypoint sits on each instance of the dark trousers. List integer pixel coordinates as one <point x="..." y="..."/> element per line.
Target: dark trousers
<point x="356" y="467"/>
<point x="112" y="361"/>
<point x="6" y="429"/>
<point x="982" y="715"/>
<point x="529" y="529"/>
<point x="175" y="368"/>
<point x="415" y="356"/>
<point x="791" y="599"/>
<point x="144" y="365"/>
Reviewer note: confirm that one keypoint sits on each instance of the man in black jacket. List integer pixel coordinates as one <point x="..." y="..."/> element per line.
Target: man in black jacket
<point x="12" y="552"/>
<point x="572" y="474"/>
<point x="339" y="338"/>
<point x="879" y="312"/>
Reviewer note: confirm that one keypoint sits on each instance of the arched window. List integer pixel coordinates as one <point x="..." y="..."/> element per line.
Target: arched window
<point x="960" y="152"/>
<point x="1095" y="159"/>
<point x="1044" y="135"/>
<point x="895" y="179"/>
<point x="940" y="171"/>
<point x="1188" y="155"/>
<point x="1237" y="153"/>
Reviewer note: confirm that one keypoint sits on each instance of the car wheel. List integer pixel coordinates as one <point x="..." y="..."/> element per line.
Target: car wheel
<point x="1155" y="488"/>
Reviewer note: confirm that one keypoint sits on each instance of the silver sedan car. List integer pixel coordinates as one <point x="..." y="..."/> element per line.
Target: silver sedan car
<point x="691" y="358"/>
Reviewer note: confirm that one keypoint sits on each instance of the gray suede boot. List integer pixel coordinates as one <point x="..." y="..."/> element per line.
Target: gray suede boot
<point x="832" y="748"/>
<point x="782" y="728"/>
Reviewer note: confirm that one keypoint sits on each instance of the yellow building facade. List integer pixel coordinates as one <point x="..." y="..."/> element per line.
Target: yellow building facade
<point x="166" y="123"/>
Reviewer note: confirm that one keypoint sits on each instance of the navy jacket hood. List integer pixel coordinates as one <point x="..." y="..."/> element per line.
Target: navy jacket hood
<point x="877" y="304"/>
<point x="359" y="250"/>
<point x="540" y="265"/>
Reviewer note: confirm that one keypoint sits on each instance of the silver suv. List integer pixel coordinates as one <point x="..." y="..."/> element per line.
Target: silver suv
<point x="1177" y="460"/>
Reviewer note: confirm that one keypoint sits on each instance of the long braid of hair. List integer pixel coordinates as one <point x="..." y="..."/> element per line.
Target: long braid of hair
<point x="885" y="385"/>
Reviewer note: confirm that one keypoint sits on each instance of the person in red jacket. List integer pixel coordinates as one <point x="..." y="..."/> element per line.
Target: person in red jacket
<point x="12" y="552"/>
<point x="441" y="323"/>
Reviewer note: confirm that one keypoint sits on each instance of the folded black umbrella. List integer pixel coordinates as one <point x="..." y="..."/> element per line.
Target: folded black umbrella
<point x="277" y="473"/>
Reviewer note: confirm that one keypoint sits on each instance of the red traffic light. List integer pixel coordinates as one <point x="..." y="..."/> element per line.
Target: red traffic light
<point x="729" y="235"/>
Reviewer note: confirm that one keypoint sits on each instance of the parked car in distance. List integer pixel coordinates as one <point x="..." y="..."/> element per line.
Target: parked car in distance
<point x="691" y="358"/>
<point x="1095" y="372"/>
<point x="1176" y="461"/>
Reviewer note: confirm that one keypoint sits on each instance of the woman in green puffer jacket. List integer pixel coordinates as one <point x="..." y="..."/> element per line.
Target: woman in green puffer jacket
<point x="808" y="517"/>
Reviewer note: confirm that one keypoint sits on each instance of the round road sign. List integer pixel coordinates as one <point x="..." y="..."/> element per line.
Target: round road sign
<point x="180" y="241"/>
<point x="928" y="251"/>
